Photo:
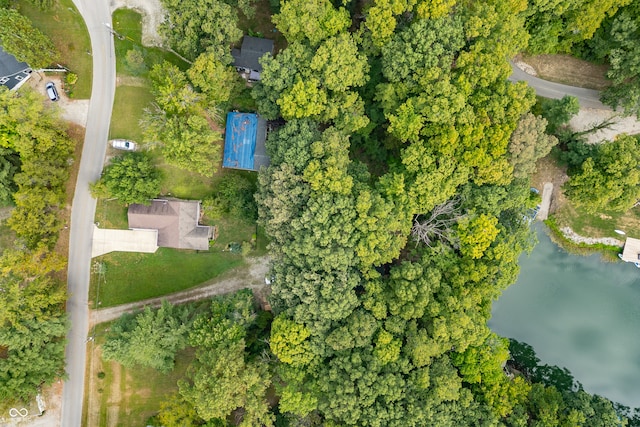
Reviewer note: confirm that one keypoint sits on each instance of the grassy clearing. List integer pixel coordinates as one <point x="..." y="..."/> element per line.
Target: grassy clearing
<point x="127" y="396"/>
<point x="569" y="70"/>
<point x="601" y="224"/>
<point x="66" y="28"/>
<point x="128" y="106"/>
<point x="130" y="277"/>
<point x="128" y="24"/>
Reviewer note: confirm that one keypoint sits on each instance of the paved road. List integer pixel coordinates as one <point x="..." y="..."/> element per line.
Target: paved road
<point x="588" y="98"/>
<point x="95" y="14"/>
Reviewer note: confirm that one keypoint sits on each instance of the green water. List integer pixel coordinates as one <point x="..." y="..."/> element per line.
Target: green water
<point x="580" y="313"/>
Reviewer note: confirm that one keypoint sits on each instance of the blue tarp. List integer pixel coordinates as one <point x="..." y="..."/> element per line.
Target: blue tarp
<point x="240" y="140"/>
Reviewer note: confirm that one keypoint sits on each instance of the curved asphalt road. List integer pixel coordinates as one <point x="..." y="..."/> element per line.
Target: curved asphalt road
<point x="588" y="98"/>
<point x="95" y="14"/>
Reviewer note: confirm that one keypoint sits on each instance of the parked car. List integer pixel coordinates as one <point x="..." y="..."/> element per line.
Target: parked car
<point x="123" y="144"/>
<point x="52" y="91"/>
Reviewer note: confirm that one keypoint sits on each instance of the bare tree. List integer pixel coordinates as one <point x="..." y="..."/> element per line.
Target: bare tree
<point x="437" y="225"/>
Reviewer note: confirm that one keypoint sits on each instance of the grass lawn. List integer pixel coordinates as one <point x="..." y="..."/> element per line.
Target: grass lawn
<point x="111" y="214"/>
<point x="601" y="224"/>
<point x="181" y="183"/>
<point x="126" y="396"/>
<point x="128" y="24"/>
<point x="130" y="277"/>
<point x="66" y="28"/>
<point x="129" y="103"/>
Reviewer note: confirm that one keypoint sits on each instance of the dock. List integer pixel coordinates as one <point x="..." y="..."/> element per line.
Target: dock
<point x="631" y="251"/>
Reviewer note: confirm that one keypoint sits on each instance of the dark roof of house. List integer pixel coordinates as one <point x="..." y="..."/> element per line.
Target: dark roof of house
<point x="252" y="49"/>
<point x="175" y="220"/>
<point x="12" y="71"/>
<point x="244" y="142"/>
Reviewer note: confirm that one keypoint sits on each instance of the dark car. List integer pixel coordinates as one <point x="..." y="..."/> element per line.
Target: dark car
<point x="52" y="92"/>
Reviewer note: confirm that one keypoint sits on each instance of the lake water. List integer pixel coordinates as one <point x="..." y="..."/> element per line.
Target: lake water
<point x="580" y="313"/>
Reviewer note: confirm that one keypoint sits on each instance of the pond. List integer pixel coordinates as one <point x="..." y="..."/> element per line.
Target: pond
<point x="580" y="313"/>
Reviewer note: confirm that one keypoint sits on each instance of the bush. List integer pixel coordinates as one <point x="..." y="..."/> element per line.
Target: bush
<point x="134" y="60"/>
<point x="234" y="197"/>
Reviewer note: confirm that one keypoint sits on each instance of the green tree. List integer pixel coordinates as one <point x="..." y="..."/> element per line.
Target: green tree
<point x="624" y="60"/>
<point x="222" y="379"/>
<point x="33" y="324"/>
<point x="194" y="26"/>
<point x="233" y="196"/>
<point x="130" y="178"/>
<point x="213" y="78"/>
<point x="134" y="60"/>
<point x="529" y="142"/>
<point x="177" y="412"/>
<point x="19" y="38"/>
<point x="558" y="112"/>
<point x="151" y="338"/>
<point x="555" y="26"/>
<point x="38" y="137"/>
<point x="179" y="121"/>
<point x="610" y="179"/>
<point x="9" y="163"/>
<point x="311" y="21"/>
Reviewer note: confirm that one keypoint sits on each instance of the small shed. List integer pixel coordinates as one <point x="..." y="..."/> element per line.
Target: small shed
<point x="247" y="58"/>
<point x="244" y="142"/>
<point x="631" y="252"/>
<point x="13" y="73"/>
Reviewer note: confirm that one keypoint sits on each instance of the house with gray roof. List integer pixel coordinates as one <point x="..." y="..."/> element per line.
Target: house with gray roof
<point x="13" y="73"/>
<point x="246" y="59"/>
<point x="176" y="222"/>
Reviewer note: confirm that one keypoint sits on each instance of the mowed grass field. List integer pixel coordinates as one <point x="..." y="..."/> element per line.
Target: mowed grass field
<point x="128" y="107"/>
<point x="122" y="277"/>
<point x="66" y="28"/>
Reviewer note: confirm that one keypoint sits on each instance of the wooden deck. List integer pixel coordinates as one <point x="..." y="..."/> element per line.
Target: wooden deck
<point x="631" y="252"/>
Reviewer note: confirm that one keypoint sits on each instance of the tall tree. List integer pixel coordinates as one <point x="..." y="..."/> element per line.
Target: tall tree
<point x="180" y="120"/>
<point x="130" y="178"/>
<point x="529" y="142"/>
<point x="151" y="338"/>
<point x="610" y="179"/>
<point x="310" y="20"/>
<point x="194" y="26"/>
<point x="22" y="40"/>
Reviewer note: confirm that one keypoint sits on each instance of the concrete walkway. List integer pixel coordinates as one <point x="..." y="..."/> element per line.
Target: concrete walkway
<point x="547" y="191"/>
<point x="106" y="240"/>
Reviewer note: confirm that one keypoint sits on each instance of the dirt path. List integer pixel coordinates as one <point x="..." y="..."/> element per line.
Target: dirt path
<point x="251" y="278"/>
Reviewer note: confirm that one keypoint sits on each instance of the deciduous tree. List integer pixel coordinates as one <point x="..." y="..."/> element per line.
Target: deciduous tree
<point x="610" y="179"/>
<point x="22" y="40"/>
<point x="130" y="178"/>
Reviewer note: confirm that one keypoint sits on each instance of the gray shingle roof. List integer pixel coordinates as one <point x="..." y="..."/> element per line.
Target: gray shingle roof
<point x="175" y="220"/>
<point x="252" y="49"/>
<point x="12" y="71"/>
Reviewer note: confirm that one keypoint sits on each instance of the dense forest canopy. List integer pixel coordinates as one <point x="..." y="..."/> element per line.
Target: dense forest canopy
<point x="396" y="206"/>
